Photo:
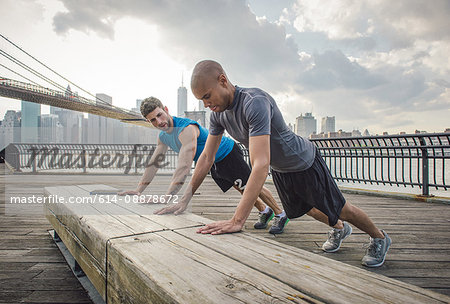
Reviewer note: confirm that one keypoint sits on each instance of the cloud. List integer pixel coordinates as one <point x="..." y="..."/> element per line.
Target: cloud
<point x="393" y="24"/>
<point x="255" y="48"/>
<point x="362" y="61"/>
<point x="332" y="69"/>
<point x="83" y="18"/>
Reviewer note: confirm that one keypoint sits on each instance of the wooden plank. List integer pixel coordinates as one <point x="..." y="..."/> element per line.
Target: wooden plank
<point x="378" y="209"/>
<point x="311" y="273"/>
<point x="91" y="265"/>
<point x="82" y="226"/>
<point x="87" y="222"/>
<point x="176" y="269"/>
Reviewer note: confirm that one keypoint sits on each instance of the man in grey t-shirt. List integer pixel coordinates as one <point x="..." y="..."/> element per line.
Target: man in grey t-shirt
<point x="302" y="179"/>
<point x="253" y="113"/>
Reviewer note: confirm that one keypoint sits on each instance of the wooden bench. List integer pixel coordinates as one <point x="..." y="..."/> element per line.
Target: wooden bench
<point x="133" y="256"/>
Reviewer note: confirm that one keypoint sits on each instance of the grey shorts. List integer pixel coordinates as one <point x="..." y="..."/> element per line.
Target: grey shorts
<point x="314" y="187"/>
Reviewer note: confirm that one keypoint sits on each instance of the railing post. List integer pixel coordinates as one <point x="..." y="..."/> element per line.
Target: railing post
<point x="425" y="173"/>
<point x="35" y="165"/>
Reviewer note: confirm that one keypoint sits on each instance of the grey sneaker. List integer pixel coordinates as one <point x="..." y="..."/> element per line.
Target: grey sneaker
<point x="264" y="218"/>
<point x="376" y="251"/>
<point x="278" y="224"/>
<point x="335" y="238"/>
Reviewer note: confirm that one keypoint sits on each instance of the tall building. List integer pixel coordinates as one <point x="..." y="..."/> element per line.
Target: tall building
<point x="138" y="106"/>
<point x="51" y="130"/>
<point x="30" y="121"/>
<point x="306" y="125"/>
<point x="201" y="106"/>
<point x="10" y="129"/>
<point x="101" y="128"/>
<point x="356" y="133"/>
<point x="182" y="100"/>
<point x="198" y="116"/>
<point x="328" y="124"/>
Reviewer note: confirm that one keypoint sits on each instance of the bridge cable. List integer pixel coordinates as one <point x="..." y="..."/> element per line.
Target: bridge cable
<point x="31" y="70"/>
<point x="53" y="70"/>
<point x="20" y="75"/>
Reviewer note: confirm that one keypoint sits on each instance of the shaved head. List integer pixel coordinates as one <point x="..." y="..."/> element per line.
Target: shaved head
<point x="206" y="72"/>
<point x="210" y="84"/>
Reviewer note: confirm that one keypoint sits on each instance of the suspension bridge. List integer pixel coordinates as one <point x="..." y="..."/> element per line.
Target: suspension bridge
<point x="35" y="92"/>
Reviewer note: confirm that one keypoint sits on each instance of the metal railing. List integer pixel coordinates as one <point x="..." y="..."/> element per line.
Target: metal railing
<point x="417" y="160"/>
<point x="35" y="158"/>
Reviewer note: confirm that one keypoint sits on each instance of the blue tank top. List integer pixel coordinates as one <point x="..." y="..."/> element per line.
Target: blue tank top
<point x="171" y="139"/>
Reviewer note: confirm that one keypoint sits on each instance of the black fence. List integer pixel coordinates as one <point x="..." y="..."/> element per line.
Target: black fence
<point x="34" y="158"/>
<point x="419" y="160"/>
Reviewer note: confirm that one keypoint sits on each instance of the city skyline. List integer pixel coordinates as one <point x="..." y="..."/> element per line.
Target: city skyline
<point x="370" y="69"/>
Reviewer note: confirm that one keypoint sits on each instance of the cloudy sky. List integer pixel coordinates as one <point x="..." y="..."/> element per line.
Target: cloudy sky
<point x="381" y="65"/>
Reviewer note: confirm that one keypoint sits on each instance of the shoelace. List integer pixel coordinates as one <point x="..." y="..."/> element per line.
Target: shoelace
<point x="374" y="248"/>
<point x="262" y="217"/>
<point x="276" y="221"/>
<point x="334" y="235"/>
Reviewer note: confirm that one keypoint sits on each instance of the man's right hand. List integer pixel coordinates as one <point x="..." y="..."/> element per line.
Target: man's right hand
<point x="129" y="192"/>
<point x="176" y="209"/>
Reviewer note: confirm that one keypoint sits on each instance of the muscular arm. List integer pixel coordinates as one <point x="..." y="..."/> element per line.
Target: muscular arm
<point x="188" y="139"/>
<point x="149" y="172"/>
<point x="204" y="163"/>
<point x="259" y="147"/>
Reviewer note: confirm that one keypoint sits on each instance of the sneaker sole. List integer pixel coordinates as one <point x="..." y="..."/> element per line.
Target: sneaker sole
<point x="265" y="226"/>
<point x="336" y="249"/>
<point x="384" y="258"/>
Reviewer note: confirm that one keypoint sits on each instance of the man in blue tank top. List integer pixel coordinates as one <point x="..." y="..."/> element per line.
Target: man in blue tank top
<point x="188" y="138"/>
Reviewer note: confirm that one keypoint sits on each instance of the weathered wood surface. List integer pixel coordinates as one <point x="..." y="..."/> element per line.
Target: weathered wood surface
<point x="419" y="230"/>
<point x="86" y="228"/>
<point x="32" y="270"/>
<point x="147" y="258"/>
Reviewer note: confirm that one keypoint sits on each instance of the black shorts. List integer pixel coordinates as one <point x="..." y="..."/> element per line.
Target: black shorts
<point x="314" y="187"/>
<point x="232" y="170"/>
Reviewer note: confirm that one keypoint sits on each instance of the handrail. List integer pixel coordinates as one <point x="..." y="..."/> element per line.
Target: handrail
<point x="416" y="160"/>
<point x="33" y="158"/>
<point x="409" y="160"/>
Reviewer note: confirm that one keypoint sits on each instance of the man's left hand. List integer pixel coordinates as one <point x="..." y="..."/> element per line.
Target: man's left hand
<point x="221" y="227"/>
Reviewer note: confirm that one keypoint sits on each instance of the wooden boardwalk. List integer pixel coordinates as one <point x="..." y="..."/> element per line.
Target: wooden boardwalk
<point x="33" y="271"/>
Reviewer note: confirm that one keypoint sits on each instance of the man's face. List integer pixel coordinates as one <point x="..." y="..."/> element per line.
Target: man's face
<point x="214" y="94"/>
<point x="160" y="119"/>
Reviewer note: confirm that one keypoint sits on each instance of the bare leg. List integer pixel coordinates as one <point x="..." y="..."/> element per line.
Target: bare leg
<point x="322" y="217"/>
<point x="360" y="219"/>
<point x="353" y="215"/>
<point x="268" y="199"/>
<point x="258" y="203"/>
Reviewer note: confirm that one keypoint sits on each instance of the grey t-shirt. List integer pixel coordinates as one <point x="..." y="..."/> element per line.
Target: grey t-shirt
<point x="254" y="112"/>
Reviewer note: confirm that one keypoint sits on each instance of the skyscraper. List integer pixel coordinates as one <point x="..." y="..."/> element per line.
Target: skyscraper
<point x="182" y="100"/>
<point x="30" y="122"/>
<point x="9" y="129"/>
<point x="328" y="124"/>
<point x="306" y="125"/>
<point x="198" y="116"/>
<point x="138" y="106"/>
<point x="51" y="131"/>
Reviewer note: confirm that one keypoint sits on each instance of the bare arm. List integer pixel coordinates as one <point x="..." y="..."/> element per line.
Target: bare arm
<point x="149" y="172"/>
<point x="260" y="159"/>
<point x="188" y="139"/>
<point x="204" y="163"/>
